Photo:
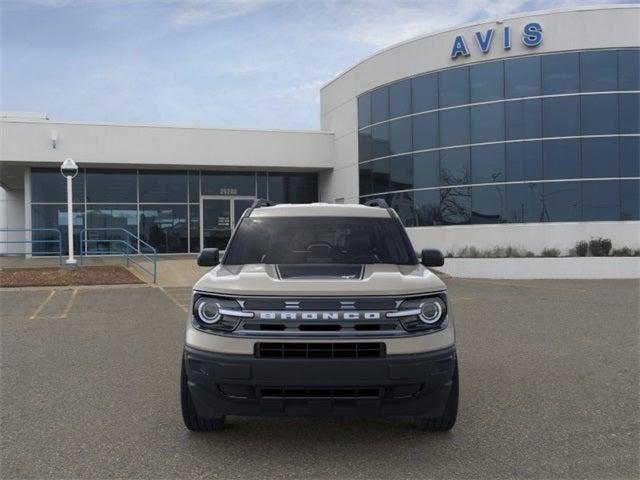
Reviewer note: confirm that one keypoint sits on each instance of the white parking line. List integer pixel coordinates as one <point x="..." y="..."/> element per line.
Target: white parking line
<point x="42" y="305"/>
<point x="37" y="314"/>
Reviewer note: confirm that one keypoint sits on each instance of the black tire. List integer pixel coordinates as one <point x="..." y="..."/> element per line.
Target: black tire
<point x="448" y="418"/>
<point x="191" y="419"/>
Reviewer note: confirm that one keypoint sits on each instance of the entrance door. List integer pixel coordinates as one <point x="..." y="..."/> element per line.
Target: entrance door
<point x="218" y="217"/>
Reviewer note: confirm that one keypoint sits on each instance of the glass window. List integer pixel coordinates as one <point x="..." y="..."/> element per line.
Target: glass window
<point x="523" y="161"/>
<point x="425" y="131"/>
<point x="630" y="199"/>
<point x="487" y="164"/>
<point x="380" y="105"/>
<point x="427" y="207"/>
<point x="488" y="204"/>
<point x="228" y="183"/>
<point x="599" y="114"/>
<point x="424" y="92"/>
<point x="453" y="87"/>
<point x="601" y="200"/>
<point x="455" y="166"/>
<point x="262" y="185"/>
<point x="524" y="203"/>
<point x="194" y="227"/>
<point x="54" y="216"/>
<point x="630" y="156"/>
<point x="194" y="186"/>
<point x="629" y="113"/>
<point x="402" y="203"/>
<point x="523" y="119"/>
<point x="364" y="110"/>
<point x="293" y="187"/>
<point x="165" y="227"/>
<point x="116" y="218"/>
<point x="49" y="186"/>
<point x="117" y="186"/>
<point x="163" y="186"/>
<point x="487" y="81"/>
<point x="560" y="73"/>
<point x="455" y="205"/>
<point x="366" y="180"/>
<point x="400" y="135"/>
<point x="426" y="168"/>
<point x="401" y="172"/>
<point x="600" y="157"/>
<point x="400" y="98"/>
<point x="522" y="77"/>
<point x="381" y="177"/>
<point x="562" y="202"/>
<point x="561" y="159"/>
<point x="629" y="69"/>
<point x="380" y="141"/>
<point x="599" y="71"/>
<point x="365" y="144"/>
<point x="487" y="123"/>
<point x="454" y="127"/>
<point x="561" y="116"/>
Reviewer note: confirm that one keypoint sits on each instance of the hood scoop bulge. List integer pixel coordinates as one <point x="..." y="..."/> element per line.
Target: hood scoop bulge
<point x="332" y="271"/>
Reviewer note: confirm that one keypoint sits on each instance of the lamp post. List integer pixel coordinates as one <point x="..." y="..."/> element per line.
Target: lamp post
<point x="69" y="169"/>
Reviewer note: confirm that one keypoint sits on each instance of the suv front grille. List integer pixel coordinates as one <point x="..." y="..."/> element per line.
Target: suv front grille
<point x="319" y="350"/>
<point x="330" y="393"/>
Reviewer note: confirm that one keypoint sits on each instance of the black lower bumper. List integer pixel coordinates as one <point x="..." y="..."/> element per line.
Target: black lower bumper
<point x="416" y="384"/>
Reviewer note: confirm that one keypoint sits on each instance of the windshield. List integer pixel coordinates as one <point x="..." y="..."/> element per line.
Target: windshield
<point x="320" y="240"/>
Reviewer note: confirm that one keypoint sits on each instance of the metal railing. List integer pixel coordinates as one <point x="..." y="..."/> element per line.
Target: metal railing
<point x="33" y="241"/>
<point x="129" y="250"/>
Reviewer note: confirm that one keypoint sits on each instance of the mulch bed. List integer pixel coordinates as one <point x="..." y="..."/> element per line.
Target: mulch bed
<point x="46" y="277"/>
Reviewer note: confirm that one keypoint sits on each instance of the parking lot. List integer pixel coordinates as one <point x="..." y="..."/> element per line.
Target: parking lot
<point x="548" y="371"/>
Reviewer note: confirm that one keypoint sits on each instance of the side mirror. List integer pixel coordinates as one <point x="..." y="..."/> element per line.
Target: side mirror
<point x="432" y="258"/>
<point x="209" y="257"/>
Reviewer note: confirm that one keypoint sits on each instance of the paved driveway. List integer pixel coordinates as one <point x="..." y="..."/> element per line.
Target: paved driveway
<point x="549" y="389"/>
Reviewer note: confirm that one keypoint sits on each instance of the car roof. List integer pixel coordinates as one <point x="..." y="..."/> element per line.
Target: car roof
<point x="320" y="210"/>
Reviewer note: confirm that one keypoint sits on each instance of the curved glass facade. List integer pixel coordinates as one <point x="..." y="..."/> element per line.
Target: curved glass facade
<point x="541" y="138"/>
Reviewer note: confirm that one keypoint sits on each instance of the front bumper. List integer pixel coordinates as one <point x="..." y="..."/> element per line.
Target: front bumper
<point x="414" y="384"/>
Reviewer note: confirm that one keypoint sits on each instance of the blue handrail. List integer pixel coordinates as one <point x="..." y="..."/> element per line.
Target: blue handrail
<point x="127" y="247"/>
<point x="32" y="241"/>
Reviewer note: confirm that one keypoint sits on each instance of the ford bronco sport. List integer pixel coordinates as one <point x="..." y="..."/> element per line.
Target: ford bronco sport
<point x="319" y="309"/>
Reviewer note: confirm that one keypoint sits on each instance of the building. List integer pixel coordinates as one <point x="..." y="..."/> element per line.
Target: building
<point x="522" y="131"/>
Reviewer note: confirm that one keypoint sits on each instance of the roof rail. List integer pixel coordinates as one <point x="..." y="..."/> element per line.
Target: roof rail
<point x="262" y="202"/>
<point x="376" y="202"/>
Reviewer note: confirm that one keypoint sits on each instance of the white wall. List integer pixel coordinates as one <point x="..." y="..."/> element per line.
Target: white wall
<point x="11" y="216"/>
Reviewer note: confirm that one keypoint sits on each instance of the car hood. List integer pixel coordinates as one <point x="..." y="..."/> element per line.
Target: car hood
<point x="377" y="279"/>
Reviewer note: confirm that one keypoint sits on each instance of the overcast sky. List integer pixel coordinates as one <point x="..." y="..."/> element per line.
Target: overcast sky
<point x="244" y="63"/>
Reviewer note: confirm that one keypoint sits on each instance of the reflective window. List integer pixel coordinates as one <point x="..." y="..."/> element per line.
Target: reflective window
<point x="48" y="185"/>
<point x="487" y="164"/>
<point x="426" y="169"/>
<point x="261" y="185"/>
<point x="598" y="71"/>
<point x="228" y="183"/>
<point x="366" y="180"/>
<point x="194" y="227"/>
<point x="486" y="81"/>
<point x="163" y="186"/>
<point x="488" y="204"/>
<point x="454" y="127"/>
<point x="400" y="135"/>
<point x="427" y="207"/>
<point x="425" y="131"/>
<point x="523" y="119"/>
<point x="600" y="157"/>
<point x="630" y="199"/>
<point x="165" y="227"/>
<point x="629" y="69"/>
<point x="364" y="110"/>
<point x="400" y="98"/>
<point x="560" y="73"/>
<point x="630" y="156"/>
<point x="629" y="113"/>
<point x="601" y="200"/>
<point x="455" y="205"/>
<point x="562" y="202"/>
<point x="293" y="187"/>
<point x="401" y="172"/>
<point x="194" y="186"/>
<point x="487" y="123"/>
<point x="54" y="216"/>
<point x="561" y="116"/>
<point x="561" y="159"/>
<point x="424" y="92"/>
<point x="522" y="77"/>
<point x="115" y="218"/>
<point x="524" y="203"/>
<point x="453" y="87"/>
<point x="107" y="186"/>
<point x="599" y="114"/>
<point x="380" y="105"/>
<point x="380" y="141"/>
<point x="523" y="161"/>
<point x="455" y="166"/>
<point x="365" y="144"/>
<point x="381" y="177"/>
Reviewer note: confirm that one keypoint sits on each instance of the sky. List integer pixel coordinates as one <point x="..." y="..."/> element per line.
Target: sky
<point x="219" y="63"/>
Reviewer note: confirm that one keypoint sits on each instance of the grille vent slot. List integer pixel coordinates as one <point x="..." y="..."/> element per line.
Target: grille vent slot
<point x="319" y="350"/>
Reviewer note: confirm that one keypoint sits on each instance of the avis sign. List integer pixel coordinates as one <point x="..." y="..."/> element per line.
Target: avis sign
<point x="531" y="37"/>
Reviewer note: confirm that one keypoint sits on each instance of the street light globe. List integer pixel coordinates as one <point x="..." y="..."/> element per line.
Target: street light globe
<point x="69" y="169"/>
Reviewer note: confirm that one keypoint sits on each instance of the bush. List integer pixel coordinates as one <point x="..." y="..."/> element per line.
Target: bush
<point x="600" y="247"/>
<point x="582" y="248"/>
<point x="550" y="252"/>
<point x="625" y="252"/>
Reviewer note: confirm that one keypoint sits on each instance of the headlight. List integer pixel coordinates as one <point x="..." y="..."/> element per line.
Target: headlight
<point x="208" y="310"/>
<point x="427" y="313"/>
<point x="431" y="310"/>
<point x="213" y="313"/>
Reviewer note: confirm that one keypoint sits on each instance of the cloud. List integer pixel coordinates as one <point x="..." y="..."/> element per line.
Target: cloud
<point x="191" y="13"/>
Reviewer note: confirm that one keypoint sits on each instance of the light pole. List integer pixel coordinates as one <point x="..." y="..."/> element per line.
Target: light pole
<point x="69" y="169"/>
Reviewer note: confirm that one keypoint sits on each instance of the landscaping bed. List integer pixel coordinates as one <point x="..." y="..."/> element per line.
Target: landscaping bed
<point x="58" y="276"/>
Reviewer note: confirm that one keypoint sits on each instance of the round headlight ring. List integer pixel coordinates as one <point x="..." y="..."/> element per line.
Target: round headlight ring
<point x="208" y="312"/>
<point x="431" y="311"/>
